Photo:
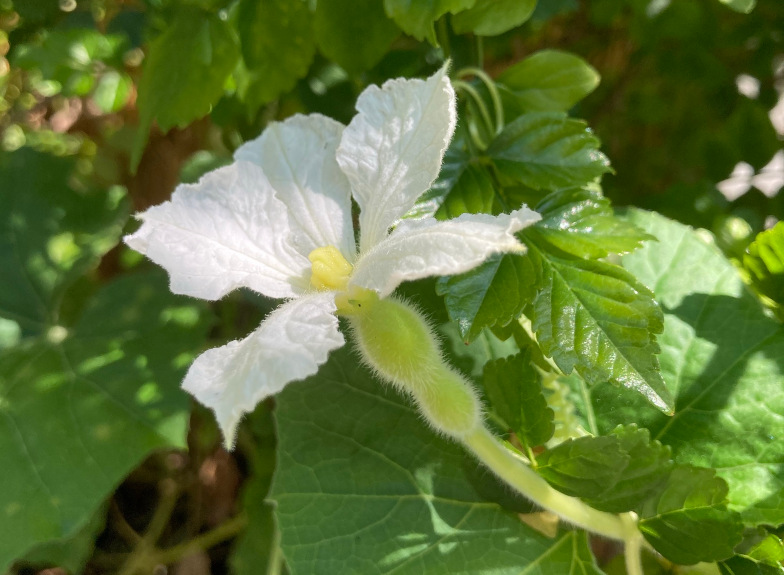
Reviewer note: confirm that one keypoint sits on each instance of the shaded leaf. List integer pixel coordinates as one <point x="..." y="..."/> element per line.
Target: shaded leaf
<point x="648" y="468"/>
<point x="493" y="17"/>
<point x="689" y="521"/>
<point x="492" y="294"/>
<point x="103" y="392"/>
<point x="351" y="499"/>
<point x="416" y="17"/>
<point x="354" y="33"/>
<point x="265" y="26"/>
<point x="514" y="388"/>
<point x="548" y="150"/>
<point x="184" y="73"/>
<point x="550" y="81"/>
<point x="583" y="467"/>
<point x="49" y="235"/>
<point x="71" y="553"/>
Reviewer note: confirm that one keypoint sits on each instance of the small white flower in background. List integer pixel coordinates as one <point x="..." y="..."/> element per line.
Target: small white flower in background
<point x="278" y="221"/>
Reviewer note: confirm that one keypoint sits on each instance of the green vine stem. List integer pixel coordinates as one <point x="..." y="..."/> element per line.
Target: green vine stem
<point x="476" y="98"/>
<point x="513" y="470"/>
<point x="492" y="89"/>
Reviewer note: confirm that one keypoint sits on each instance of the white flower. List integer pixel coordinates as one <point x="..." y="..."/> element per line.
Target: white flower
<point x="278" y="221"/>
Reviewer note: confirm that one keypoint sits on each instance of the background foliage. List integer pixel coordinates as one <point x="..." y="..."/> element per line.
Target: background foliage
<point x="634" y="355"/>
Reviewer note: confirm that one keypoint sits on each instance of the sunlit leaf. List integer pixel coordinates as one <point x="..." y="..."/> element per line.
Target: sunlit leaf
<point x="722" y="359"/>
<point x="416" y="17"/>
<point x="548" y="150"/>
<point x="493" y="17"/>
<point x="550" y="81"/>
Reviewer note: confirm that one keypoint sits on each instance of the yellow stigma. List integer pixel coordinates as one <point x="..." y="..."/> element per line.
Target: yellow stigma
<point x="329" y="269"/>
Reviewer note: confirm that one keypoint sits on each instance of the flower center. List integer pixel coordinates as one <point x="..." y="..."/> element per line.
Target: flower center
<point x="330" y="271"/>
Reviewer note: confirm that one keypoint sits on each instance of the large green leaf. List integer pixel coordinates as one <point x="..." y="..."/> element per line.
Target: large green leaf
<point x="82" y="405"/>
<point x="184" y="73"/>
<point x="723" y="359"/>
<point x="514" y="388"/>
<point x="354" y="33"/>
<point x="550" y="81"/>
<point x="548" y="150"/>
<point x="49" y="235"/>
<point x="493" y="17"/>
<point x="364" y="486"/>
<point x="88" y="387"/>
<point x="689" y="522"/>
<point x="416" y="17"/>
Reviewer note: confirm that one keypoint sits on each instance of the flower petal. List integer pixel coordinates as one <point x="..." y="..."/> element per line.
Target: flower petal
<point x="423" y="248"/>
<point x="392" y="149"/>
<point x="289" y="345"/>
<point x="298" y="158"/>
<point x="225" y="232"/>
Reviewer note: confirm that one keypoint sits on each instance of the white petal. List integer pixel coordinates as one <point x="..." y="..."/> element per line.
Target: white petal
<point x="298" y="158"/>
<point x="392" y="149"/>
<point x="423" y="248"/>
<point x="289" y="345"/>
<point x="226" y="231"/>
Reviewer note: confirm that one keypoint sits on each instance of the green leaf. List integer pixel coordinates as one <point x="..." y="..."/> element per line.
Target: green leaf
<point x="514" y="389"/>
<point x="492" y="294"/>
<point x="113" y="90"/>
<point x="722" y="357"/>
<point x="416" y="17"/>
<point x="580" y="222"/>
<point x="598" y="319"/>
<point x="689" y="521"/>
<point x="354" y="33"/>
<point x="49" y="235"/>
<point x="353" y="499"/>
<point x="278" y="46"/>
<point x="740" y="565"/>
<point x="583" y="467"/>
<point x="752" y="133"/>
<point x="82" y="405"/>
<point x="71" y="553"/>
<point x="493" y="17"/>
<point x="184" y="73"/>
<point x="764" y="261"/>
<point x="548" y="150"/>
<point x="471" y="192"/>
<point x="550" y="81"/>
<point x="462" y="186"/>
<point x="648" y="468"/>
<point x="257" y="549"/>
<point x="742" y="6"/>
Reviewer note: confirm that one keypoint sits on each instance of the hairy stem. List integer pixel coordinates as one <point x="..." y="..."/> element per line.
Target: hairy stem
<point x="525" y="480"/>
